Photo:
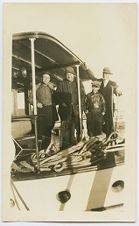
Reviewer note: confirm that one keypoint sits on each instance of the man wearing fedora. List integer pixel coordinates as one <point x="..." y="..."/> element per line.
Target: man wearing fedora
<point x="67" y="99"/>
<point x="95" y="110"/>
<point x="108" y="89"/>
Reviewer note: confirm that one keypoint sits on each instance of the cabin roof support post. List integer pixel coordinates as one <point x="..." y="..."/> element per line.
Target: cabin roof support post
<point x="33" y="76"/>
<point x="34" y="100"/>
<point x="79" y="99"/>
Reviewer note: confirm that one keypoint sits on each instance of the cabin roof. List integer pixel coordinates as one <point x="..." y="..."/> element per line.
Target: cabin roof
<point x="50" y="55"/>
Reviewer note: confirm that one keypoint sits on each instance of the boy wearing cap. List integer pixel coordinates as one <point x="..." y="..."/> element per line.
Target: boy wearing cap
<point x="95" y="109"/>
<point x="107" y="89"/>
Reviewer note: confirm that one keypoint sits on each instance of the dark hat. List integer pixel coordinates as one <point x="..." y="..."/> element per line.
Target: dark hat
<point x="96" y="84"/>
<point x="106" y="70"/>
<point x="70" y="70"/>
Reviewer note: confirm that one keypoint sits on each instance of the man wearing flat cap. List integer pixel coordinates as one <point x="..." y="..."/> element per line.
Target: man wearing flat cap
<point x="67" y="99"/>
<point x="107" y="89"/>
<point x="46" y="109"/>
<point x="95" y="110"/>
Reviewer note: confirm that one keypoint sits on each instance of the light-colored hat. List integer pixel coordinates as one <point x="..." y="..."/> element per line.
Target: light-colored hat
<point x="96" y="84"/>
<point x="46" y="75"/>
<point x="70" y="70"/>
<point x="106" y="70"/>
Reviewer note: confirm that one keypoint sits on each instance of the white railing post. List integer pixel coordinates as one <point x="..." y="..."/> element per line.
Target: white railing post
<point x="34" y="100"/>
<point x="79" y="99"/>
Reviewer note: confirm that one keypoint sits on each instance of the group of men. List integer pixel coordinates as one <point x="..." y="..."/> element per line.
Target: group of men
<point x="97" y="105"/>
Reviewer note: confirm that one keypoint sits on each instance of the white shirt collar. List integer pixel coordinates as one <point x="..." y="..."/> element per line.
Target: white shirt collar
<point x="105" y="82"/>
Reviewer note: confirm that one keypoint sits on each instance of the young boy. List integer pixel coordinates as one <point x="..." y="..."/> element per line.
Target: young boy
<point x="95" y="110"/>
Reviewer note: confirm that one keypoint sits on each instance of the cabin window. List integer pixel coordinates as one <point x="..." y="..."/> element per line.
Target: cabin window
<point x="18" y="103"/>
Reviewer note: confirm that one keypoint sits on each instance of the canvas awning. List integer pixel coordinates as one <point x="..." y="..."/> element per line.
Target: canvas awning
<point x="50" y="55"/>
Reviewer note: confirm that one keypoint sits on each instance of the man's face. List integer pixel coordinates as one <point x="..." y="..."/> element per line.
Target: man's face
<point x="46" y="78"/>
<point x="106" y="76"/>
<point x="95" y="89"/>
<point x="70" y="77"/>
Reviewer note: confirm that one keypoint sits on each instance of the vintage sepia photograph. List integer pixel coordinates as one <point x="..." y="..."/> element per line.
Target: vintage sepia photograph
<point x="69" y="152"/>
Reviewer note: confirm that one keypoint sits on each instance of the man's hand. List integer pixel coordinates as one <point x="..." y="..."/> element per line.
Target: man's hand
<point x="118" y="91"/>
<point x="86" y="112"/>
<point x="39" y="105"/>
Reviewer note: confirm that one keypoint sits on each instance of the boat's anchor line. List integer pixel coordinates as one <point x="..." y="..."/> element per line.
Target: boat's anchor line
<point x="85" y="153"/>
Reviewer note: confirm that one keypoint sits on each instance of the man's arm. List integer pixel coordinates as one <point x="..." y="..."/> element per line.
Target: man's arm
<point x="86" y="104"/>
<point x="103" y="105"/>
<point x="59" y="95"/>
<point x="30" y="98"/>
